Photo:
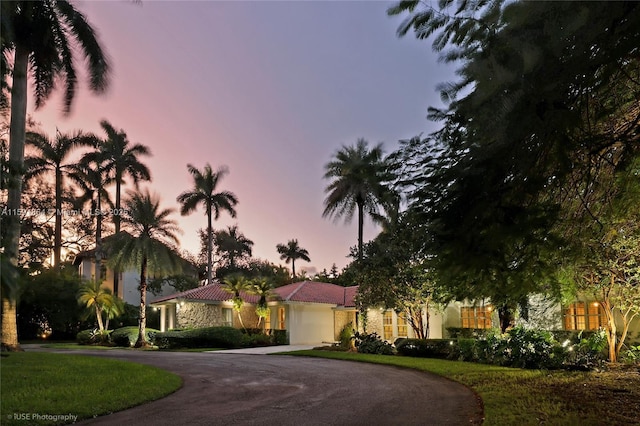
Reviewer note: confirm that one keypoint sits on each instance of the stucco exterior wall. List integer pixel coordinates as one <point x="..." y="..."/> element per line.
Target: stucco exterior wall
<point x="310" y="324"/>
<point x="374" y="322"/>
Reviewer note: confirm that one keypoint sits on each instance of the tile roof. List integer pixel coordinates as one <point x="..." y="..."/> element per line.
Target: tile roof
<point x="307" y="291"/>
<point x="213" y="293"/>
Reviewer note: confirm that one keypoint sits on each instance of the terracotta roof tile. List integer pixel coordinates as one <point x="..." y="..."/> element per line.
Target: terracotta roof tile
<point x="307" y="291"/>
<point x="213" y="293"/>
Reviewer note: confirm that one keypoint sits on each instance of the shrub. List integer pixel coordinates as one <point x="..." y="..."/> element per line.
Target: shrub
<point x="527" y="348"/>
<point x="280" y="337"/>
<point x="468" y="333"/>
<point x="128" y="336"/>
<point x="588" y="352"/>
<point x="346" y="337"/>
<point x="257" y="339"/>
<point x="425" y="348"/>
<point x="372" y="344"/>
<point x="209" y="337"/>
<point x="94" y="337"/>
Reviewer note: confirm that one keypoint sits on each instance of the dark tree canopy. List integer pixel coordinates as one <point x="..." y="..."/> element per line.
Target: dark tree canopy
<point x="548" y="93"/>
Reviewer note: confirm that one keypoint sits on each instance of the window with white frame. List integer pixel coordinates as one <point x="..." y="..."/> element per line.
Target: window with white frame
<point x="476" y="316"/>
<point x="584" y="316"/>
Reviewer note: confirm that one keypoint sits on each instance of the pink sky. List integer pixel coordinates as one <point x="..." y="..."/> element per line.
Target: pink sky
<point x="270" y="89"/>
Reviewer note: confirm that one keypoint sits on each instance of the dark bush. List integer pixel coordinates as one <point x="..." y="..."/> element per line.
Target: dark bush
<point x="209" y="337"/>
<point x="93" y="337"/>
<point x="426" y="348"/>
<point x="280" y="337"/>
<point x="257" y="339"/>
<point x="128" y="336"/>
<point x="372" y="344"/>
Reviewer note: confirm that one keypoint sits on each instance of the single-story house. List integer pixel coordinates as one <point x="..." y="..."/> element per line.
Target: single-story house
<point x="315" y="312"/>
<point x="128" y="281"/>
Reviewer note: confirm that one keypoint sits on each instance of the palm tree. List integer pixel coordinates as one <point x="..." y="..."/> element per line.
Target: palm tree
<point x="147" y="244"/>
<point x="121" y="159"/>
<point x="291" y="252"/>
<point x="233" y="244"/>
<point x="99" y="298"/>
<point x="91" y="177"/>
<point x="357" y="176"/>
<point x="53" y="155"/>
<point x="205" y="183"/>
<point x="235" y="284"/>
<point x="261" y="287"/>
<point x="43" y="36"/>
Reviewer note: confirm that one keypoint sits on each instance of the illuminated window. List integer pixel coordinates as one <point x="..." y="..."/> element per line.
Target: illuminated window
<point x="267" y="320"/>
<point x="387" y="325"/>
<point x="476" y="316"/>
<point x="281" y="319"/>
<point x="402" y="325"/>
<point x="227" y="317"/>
<point x="584" y="316"/>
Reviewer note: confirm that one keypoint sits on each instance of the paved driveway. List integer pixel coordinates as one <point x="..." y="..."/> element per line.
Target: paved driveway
<point x="245" y="389"/>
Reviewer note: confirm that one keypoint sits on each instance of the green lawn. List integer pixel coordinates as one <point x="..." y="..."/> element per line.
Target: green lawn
<point x="530" y="397"/>
<point x="74" y="346"/>
<point x="51" y="385"/>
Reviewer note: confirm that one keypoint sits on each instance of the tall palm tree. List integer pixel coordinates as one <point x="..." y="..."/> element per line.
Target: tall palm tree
<point x="95" y="296"/>
<point x="53" y="156"/>
<point x="91" y="177"/>
<point x="357" y="176"/>
<point x="43" y="36"/>
<point x="147" y="245"/>
<point x="203" y="192"/>
<point x="235" y="284"/>
<point x="292" y="251"/>
<point x="233" y="244"/>
<point x="120" y="160"/>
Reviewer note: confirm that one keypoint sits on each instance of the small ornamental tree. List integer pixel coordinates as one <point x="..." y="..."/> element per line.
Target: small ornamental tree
<point x="235" y="284"/>
<point x="261" y="287"/>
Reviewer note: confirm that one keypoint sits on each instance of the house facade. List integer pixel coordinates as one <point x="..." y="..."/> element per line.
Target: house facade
<point x="128" y="281"/>
<point x="315" y="313"/>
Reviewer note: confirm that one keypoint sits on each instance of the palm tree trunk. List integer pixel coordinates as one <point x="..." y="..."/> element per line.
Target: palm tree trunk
<point x="142" y="322"/>
<point x="99" y="318"/>
<point x="98" y="254"/>
<point x="293" y="267"/>
<point x="209" y="247"/>
<point x="57" y="238"/>
<point x="9" y="326"/>
<point x="17" y="128"/>
<point x="360" y="228"/>
<point x="116" y="223"/>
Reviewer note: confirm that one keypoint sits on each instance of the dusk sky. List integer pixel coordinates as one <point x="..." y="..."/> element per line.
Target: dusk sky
<point x="270" y="89"/>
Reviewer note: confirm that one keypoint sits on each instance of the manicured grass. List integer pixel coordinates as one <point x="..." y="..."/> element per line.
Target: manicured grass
<point x="530" y="397"/>
<point x="50" y="384"/>
<point x="77" y="346"/>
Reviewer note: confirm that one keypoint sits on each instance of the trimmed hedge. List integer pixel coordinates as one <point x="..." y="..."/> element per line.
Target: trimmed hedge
<point x="128" y="336"/>
<point x="209" y="337"/>
<point x="425" y="348"/>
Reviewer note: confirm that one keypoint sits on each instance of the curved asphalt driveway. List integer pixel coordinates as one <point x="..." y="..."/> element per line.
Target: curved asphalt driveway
<point x="237" y="389"/>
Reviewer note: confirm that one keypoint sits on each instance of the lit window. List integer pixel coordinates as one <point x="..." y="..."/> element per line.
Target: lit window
<point x="281" y="319"/>
<point x="387" y="325"/>
<point x="584" y="316"/>
<point x="227" y="317"/>
<point x="402" y="325"/>
<point x="267" y="320"/>
<point x="476" y="316"/>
